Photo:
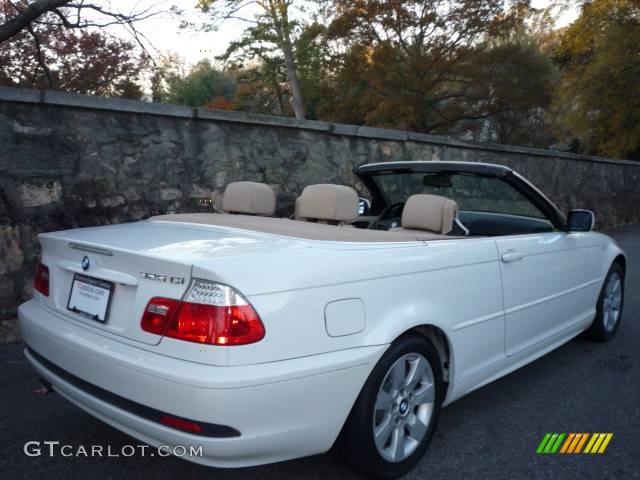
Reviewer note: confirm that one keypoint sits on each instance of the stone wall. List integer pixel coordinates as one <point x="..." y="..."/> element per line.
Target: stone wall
<point x="70" y="160"/>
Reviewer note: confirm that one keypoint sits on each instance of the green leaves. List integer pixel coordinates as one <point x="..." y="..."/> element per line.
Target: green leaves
<point x="202" y="85"/>
<point x="598" y="97"/>
<point x="271" y="33"/>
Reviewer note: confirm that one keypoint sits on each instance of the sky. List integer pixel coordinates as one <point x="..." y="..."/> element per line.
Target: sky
<point x="164" y="33"/>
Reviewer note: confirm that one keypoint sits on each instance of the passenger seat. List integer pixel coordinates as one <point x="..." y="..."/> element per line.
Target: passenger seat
<point x="430" y="213"/>
<point x="325" y="203"/>
<point x="249" y="198"/>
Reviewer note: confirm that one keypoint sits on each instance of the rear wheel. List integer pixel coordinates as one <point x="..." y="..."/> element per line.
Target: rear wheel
<point x="396" y="412"/>
<point x="609" y="306"/>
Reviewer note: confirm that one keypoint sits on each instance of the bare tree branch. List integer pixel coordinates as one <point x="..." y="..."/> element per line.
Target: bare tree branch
<point x="25" y="17"/>
<point x="125" y="20"/>
<point x="40" y="56"/>
<point x="61" y="13"/>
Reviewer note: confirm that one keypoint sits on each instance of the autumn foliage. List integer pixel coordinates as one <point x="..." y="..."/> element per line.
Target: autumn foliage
<point x="485" y="70"/>
<point x="89" y="62"/>
<point x="598" y="98"/>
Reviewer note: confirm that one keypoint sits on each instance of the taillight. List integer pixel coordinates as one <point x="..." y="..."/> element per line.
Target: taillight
<point x="157" y="315"/>
<point x="41" y="280"/>
<point x="210" y="313"/>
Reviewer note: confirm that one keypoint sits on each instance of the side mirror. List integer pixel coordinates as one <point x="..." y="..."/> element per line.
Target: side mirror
<point x="580" y="220"/>
<point x="364" y="205"/>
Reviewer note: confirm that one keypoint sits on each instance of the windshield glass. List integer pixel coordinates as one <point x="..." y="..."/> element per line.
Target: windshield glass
<point x="473" y="193"/>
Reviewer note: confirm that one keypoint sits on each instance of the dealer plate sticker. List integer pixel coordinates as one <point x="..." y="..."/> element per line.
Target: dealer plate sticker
<point x="90" y="297"/>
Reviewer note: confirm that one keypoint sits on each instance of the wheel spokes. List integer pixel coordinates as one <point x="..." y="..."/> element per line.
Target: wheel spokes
<point x="612" y="302"/>
<point x="397" y="444"/>
<point x="425" y="394"/>
<point x="398" y="375"/>
<point x="416" y="428"/>
<point x="416" y="372"/>
<point x="617" y="286"/>
<point x="616" y="302"/>
<point x="383" y="431"/>
<point x="384" y="400"/>
<point x="401" y="414"/>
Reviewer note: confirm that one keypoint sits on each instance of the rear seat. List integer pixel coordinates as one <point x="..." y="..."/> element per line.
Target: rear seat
<point x="326" y="203"/>
<point x="249" y="198"/>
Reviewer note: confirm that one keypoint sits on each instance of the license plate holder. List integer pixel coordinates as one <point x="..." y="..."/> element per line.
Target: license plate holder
<point x="90" y="297"/>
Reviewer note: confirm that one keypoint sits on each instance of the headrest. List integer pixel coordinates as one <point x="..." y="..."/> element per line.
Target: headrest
<point x="296" y="212"/>
<point x="328" y="202"/>
<point x="249" y="197"/>
<point x="429" y="212"/>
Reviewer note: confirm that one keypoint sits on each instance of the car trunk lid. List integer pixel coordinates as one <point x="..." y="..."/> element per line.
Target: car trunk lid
<point x="138" y="261"/>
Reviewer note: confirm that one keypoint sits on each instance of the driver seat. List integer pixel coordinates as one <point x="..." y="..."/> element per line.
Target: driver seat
<point x="428" y="213"/>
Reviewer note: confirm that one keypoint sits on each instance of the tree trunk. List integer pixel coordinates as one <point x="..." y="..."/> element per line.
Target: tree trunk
<point x="279" y="12"/>
<point x="23" y="19"/>
<point x="297" y="103"/>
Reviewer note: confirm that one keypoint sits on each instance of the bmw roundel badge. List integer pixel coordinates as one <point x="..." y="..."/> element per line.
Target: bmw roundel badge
<point x="85" y="263"/>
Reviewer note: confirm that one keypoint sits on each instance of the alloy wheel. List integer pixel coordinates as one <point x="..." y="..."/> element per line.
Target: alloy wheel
<point x="403" y="407"/>
<point x="612" y="301"/>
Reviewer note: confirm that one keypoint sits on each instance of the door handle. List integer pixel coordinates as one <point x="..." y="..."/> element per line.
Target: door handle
<point x="511" y="256"/>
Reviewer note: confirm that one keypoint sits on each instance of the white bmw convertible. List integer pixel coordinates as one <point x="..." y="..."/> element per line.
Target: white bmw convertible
<point x="349" y="325"/>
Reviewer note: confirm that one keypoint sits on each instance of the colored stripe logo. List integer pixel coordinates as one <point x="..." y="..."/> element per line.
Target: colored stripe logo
<point x="574" y="443"/>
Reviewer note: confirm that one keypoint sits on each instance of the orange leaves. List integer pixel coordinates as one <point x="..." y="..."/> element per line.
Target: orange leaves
<point x="220" y="103"/>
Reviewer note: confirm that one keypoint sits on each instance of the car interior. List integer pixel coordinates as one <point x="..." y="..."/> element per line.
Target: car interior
<point x="333" y="212"/>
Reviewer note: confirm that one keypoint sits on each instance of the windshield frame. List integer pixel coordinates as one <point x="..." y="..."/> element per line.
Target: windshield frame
<point x="366" y="173"/>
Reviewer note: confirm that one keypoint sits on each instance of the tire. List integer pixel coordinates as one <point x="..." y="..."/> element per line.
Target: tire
<point x="382" y="407"/>
<point x="609" y="306"/>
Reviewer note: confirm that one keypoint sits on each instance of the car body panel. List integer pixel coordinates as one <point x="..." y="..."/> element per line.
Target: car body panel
<point x="256" y="400"/>
<point x="494" y="313"/>
<point x="552" y="286"/>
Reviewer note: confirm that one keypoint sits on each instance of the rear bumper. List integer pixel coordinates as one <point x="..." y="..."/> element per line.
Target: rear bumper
<point x="282" y="410"/>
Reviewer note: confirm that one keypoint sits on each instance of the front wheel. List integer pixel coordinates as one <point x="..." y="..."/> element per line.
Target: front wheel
<point x="395" y="415"/>
<point x="609" y="306"/>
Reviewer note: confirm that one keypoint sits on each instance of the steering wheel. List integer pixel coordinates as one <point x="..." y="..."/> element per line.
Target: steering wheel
<point x="389" y="217"/>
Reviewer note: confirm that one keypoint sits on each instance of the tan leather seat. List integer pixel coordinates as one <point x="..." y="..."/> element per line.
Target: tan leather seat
<point x="249" y="198"/>
<point x="325" y="203"/>
<point x="296" y="213"/>
<point x="430" y="213"/>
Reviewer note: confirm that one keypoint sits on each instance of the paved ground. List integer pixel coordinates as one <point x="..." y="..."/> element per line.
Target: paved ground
<point x="492" y="433"/>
